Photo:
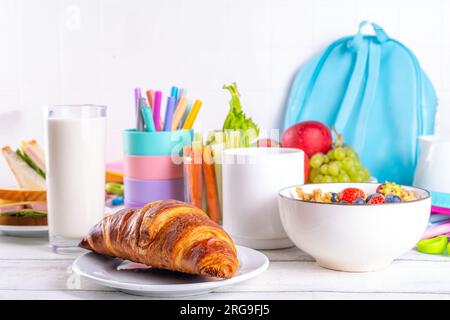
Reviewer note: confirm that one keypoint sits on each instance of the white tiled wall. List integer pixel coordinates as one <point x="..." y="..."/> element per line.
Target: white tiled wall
<point x="97" y="51"/>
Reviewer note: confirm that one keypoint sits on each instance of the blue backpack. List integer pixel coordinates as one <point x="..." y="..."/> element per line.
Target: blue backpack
<point x="371" y="87"/>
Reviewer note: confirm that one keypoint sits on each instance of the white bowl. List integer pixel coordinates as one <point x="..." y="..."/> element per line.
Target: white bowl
<point x="355" y="238"/>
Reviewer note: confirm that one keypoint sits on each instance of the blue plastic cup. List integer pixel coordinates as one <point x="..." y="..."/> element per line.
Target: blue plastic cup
<point x="157" y="143"/>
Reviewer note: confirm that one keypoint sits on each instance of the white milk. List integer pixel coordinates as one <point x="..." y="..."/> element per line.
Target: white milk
<point x="75" y="175"/>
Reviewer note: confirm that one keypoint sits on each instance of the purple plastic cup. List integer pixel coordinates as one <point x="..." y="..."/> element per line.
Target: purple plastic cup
<point x="130" y="204"/>
<point x="145" y="191"/>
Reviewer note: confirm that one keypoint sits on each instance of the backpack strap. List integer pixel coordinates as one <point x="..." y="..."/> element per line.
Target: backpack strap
<point x="361" y="47"/>
<point x="380" y="34"/>
<point x="353" y="87"/>
<point x="312" y="81"/>
<point x="373" y="71"/>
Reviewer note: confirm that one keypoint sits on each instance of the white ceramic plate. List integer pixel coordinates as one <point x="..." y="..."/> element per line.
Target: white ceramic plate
<point x="33" y="231"/>
<point x="24" y="231"/>
<point x="164" y="283"/>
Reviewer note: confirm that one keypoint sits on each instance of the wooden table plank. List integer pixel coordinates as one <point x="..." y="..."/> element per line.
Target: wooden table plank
<point x="295" y="276"/>
<point x="115" y="295"/>
<point x="30" y="270"/>
<point x="15" y="248"/>
<point x="18" y="248"/>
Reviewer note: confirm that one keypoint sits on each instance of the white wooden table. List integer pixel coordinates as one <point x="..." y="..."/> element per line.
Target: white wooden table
<point x="29" y="270"/>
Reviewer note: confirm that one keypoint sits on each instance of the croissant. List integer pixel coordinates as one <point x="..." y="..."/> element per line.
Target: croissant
<point x="166" y="234"/>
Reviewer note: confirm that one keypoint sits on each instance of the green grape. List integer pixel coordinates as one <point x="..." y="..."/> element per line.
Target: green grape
<point x="347" y="164"/>
<point x="353" y="155"/>
<point x="333" y="168"/>
<point x="339" y="153"/>
<point x="351" y="172"/>
<point x="317" y="179"/>
<point x="342" y="164"/>
<point x="343" y="177"/>
<point x="326" y="179"/>
<point x="359" y="176"/>
<point x="330" y="154"/>
<point x="316" y="160"/>
<point x="314" y="172"/>
<point x="350" y="152"/>
<point x="324" y="169"/>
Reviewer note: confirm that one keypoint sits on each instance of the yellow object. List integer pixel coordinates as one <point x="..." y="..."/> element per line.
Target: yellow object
<point x="179" y="113"/>
<point x="112" y="176"/>
<point x="192" y="115"/>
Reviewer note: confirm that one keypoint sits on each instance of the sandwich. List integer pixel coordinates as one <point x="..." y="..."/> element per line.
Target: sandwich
<point x="30" y="211"/>
<point x="25" y="205"/>
<point x="27" y="164"/>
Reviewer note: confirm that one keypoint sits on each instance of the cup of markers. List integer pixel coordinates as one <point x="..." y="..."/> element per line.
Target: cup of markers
<point x="153" y="150"/>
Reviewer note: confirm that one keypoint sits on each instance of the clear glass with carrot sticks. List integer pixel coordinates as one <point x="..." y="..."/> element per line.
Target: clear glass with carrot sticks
<point x="203" y="169"/>
<point x="200" y="182"/>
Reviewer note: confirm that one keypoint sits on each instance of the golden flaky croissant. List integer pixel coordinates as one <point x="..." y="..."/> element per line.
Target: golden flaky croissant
<point x="166" y="234"/>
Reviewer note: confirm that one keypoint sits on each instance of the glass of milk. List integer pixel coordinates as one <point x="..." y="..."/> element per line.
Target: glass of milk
<point x="75" y="151"/>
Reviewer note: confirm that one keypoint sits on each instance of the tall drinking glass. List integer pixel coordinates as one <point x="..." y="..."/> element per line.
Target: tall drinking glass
<point x="75" y="151"/>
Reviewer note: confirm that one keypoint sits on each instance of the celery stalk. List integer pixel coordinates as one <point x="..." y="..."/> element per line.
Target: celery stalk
<point x="217" y="150"/>
<point x="237" y="120"/>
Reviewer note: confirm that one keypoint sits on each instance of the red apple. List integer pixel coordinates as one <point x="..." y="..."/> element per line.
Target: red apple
<point x="310" y="136"/>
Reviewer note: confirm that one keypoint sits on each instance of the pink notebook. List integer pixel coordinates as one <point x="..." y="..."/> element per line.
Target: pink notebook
<point x="441" y="210"/>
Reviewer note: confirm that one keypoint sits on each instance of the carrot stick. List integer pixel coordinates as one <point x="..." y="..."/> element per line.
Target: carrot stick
<point x="217" y="150"/>
<point x="212" y="200"/>
<point x="196" y="178"/>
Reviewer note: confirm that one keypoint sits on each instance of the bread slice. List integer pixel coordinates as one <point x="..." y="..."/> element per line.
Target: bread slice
<point x="23" y="214"/>
<point x="26" y="177"/>
<point x="22" y="194"/>
<point x="23" y="221"/>
<point x="34" y="155"/>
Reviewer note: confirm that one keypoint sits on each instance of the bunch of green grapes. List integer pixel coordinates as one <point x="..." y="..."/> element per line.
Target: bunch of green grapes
<point x="340" y="164"/>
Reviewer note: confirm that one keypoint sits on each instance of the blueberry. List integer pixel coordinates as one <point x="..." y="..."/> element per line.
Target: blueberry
<point x="359" y="201"/>
<point x="343" y="202"/>
<point x="334" y="197"/>
<point x="392" y="198"/>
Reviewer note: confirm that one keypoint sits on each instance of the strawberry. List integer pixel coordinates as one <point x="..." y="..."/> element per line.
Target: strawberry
<point x="375" y="198"/>
<point x="351" y="194"/>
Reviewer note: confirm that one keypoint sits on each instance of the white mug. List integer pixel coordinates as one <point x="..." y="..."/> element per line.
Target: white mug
<point x="251" y="180"/>
<point x="432" y="171"/>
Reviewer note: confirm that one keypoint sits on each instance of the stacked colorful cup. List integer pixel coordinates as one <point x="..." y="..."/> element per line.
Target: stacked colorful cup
<point x="153" y="168"/>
